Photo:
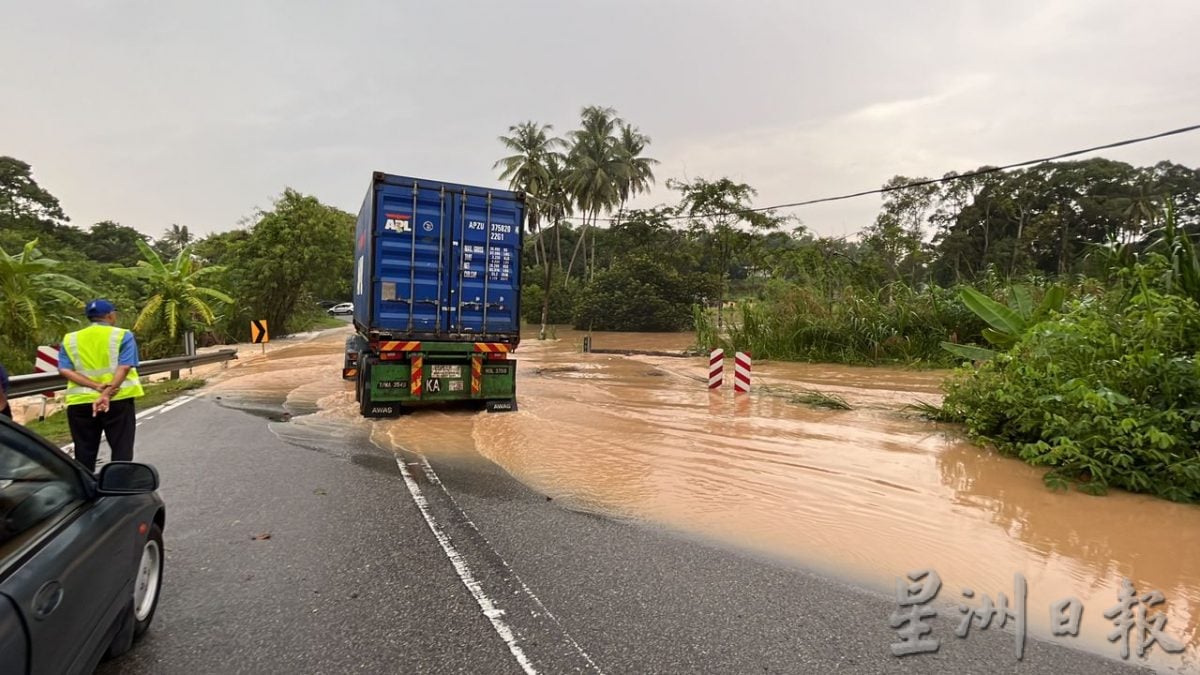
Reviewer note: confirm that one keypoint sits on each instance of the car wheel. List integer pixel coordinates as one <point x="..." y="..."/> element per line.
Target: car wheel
<point x="139" y="611"/>
<point x="148" y="582"/>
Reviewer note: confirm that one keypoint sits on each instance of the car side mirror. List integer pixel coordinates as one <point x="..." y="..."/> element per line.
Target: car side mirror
<point x="127" y="478"/>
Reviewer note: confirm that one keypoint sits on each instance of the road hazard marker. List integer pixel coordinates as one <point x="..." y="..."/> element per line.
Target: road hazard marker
<point x="716" y="369"/>
<point x="258" y="331"/>
<point x="46" y="361"/>
<point x="741" y="373"/>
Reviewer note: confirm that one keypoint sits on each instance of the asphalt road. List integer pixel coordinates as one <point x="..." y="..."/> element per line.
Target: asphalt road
<point x="376" y="563"/>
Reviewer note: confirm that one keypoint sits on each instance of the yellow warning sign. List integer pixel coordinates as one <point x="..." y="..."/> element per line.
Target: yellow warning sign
<point x="258" y="331"/>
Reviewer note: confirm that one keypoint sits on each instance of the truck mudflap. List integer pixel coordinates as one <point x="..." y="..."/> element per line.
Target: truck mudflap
<point x="509" y="405"/>
<point x="381" y="410"/>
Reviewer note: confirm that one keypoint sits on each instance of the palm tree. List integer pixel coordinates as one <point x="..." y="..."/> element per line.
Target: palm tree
<point x="174" y="240"/>
<point x="526" y="170"/>
<point x="35" y="299"/>
<point x="1140" y="210"/>
<point x="178" y="303"/>
<point x="638" y="173"/>
<point x="596" y="168"/>
<point x="557" y="198"/>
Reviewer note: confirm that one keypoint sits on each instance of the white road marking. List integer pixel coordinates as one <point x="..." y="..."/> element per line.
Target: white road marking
<point x="510" y="572"/>
<point x="494" y="614"/>
<point x="169" y="405"/>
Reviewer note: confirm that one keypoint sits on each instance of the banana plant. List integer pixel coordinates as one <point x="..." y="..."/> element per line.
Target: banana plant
<point x="1006" y="323"/>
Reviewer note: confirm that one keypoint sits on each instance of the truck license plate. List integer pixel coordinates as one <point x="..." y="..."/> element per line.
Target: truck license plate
<point x="392" y="384"/>
<point x="444" y="371"/>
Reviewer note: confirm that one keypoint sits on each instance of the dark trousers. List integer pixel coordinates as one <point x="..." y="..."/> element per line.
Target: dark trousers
<point x="118" y="425"/>
<point x="6" y="411"/>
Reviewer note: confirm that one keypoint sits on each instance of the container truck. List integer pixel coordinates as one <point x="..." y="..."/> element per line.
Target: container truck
<point x="436" y="296"/>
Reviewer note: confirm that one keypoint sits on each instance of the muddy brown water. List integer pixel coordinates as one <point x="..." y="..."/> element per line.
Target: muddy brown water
<point x="866" y="494"/>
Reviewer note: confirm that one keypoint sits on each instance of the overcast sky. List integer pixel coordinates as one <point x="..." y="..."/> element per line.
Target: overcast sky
<point x="157" y="112"/>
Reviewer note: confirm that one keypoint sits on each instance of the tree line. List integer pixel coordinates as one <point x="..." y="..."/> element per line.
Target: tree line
<point x="275" y="267"/>
<point x="594" y="262"/>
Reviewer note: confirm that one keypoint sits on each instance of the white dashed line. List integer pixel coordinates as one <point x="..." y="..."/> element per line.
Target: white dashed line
<point x="510" y="573"/>
<point x="494" y="614"/>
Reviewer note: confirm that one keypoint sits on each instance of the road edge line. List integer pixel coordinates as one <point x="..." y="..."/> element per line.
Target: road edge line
<point x="463" y="570"/>
<point x="163" y="407"/>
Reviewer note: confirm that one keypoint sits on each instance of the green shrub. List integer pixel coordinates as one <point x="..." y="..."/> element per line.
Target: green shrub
<point x="638" y="293"/>
<point x="562" y="302"/>
<point x="1107" y="394"/>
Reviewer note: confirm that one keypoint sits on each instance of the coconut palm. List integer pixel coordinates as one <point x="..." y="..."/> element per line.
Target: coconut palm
<point x="526" y="170"/>
<point x="174" y="239"/>
<point x="178" y="302"/>
<point x="557" y="200"/>
<point x="638" y="173"/>
<point x="35" y="299"/>
<point x="595" y="171"/>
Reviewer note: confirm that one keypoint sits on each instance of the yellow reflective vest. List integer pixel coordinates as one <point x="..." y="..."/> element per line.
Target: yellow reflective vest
<point x="94" y="352"/>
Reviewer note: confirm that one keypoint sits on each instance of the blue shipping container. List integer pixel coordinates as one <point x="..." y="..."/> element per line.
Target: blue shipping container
<point x="438" y="261"/>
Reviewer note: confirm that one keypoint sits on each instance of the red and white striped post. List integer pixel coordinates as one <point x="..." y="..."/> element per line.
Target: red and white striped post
<point x="716" y="369"/>
<point x="741" y="373"/>
<point x="46" y="361"/>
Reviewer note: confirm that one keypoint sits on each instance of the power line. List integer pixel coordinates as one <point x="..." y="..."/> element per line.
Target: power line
<point x="931" y="181"/>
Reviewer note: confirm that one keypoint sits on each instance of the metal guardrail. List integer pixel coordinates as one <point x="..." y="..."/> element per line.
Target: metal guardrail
<point x="44" y="383"/>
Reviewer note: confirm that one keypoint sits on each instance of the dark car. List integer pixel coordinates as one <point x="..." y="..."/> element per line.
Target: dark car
<point x="81" y="557"/>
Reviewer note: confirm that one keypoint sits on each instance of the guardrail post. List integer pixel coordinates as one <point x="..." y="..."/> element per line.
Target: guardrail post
<point x="189" y="349"/>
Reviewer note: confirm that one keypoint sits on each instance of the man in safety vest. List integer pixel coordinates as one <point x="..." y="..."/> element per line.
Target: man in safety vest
<point x="100" y="362"/>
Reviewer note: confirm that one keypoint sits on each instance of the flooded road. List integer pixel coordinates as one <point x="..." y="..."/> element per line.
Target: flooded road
<point x="866" y="494"/>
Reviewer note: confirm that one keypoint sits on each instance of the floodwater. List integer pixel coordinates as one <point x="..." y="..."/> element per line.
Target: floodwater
<point x="867" y="494"/>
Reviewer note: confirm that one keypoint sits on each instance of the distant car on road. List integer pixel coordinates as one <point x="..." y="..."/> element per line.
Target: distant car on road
<point x="81" y="556"/>
<point x="344" y="308"/>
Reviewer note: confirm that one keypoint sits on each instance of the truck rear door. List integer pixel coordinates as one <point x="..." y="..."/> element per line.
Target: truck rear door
<point x="485" y="285"/>
<point x="411" y="258"/>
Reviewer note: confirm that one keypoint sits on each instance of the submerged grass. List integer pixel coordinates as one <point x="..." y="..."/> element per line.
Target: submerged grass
<point x="820" y="399"/>
<point x="929" y="411"/>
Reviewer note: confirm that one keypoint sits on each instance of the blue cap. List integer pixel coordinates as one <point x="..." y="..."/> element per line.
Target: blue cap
<point x="98" y="308"/>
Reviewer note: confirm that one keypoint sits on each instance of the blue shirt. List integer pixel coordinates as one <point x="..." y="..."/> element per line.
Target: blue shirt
<point x="128" y="356"/>
<point x="3" y="379"/>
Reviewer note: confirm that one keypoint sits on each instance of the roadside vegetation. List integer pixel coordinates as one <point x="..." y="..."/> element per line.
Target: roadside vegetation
<point x="275" y="266"/>
<point x="1105" y="393"/>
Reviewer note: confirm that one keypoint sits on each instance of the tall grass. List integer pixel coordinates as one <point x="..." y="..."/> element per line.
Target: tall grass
<point x="893" y="324"/>
<point x="706" y="330"/>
